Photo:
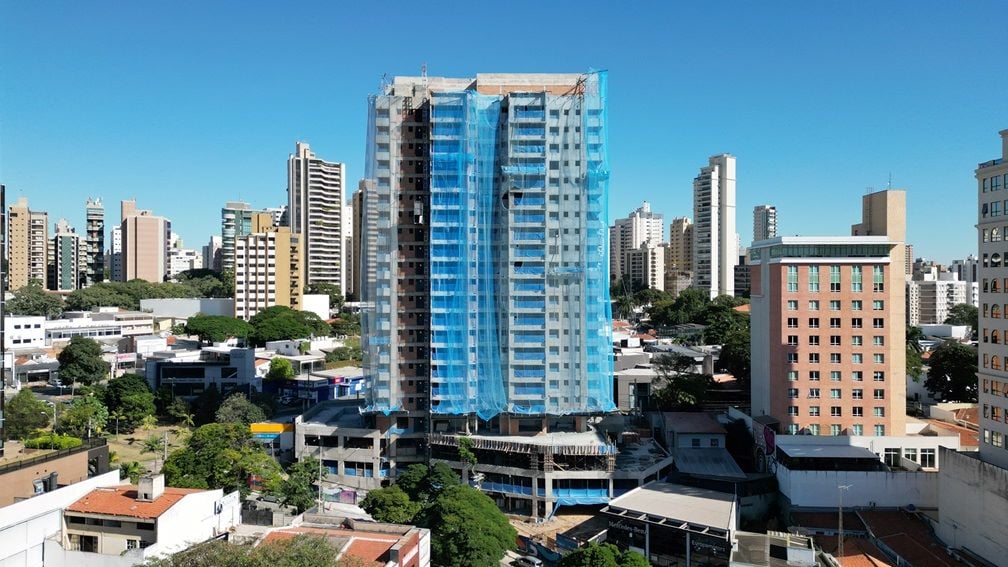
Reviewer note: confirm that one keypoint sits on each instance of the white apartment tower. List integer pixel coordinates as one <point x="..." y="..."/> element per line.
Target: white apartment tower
<point x="629" y="233"/>
<point x="315" y="211"/>
<point x="646" y="264"/>
<point x="764" y="224"/>
<point x="715" y="243"/>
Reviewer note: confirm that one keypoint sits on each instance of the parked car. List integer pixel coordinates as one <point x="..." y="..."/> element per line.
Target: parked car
<point x="528" y="561"/>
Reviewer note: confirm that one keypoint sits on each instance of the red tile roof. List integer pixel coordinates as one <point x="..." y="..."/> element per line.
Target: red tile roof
<point x="968" y="415"/>
<point x="967" y="437"/>
<point x="858" y="552"/>
<point x="908" y="536"/>
<point x="372" y="547"/>
<point x="121" y="501"/>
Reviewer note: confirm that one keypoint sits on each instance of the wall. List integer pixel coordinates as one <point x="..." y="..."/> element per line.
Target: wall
<point x="194" y="519"/>
<point x="974" y="506"/>
<point x="877" y="445"/>
<point x="185" y="308"/>
<point x="24" y="332"/>
<point x="818" y="489"/>
<point x="25" y="525"/>
<point x="18" y="484"/>
<point x="317" y="304"/>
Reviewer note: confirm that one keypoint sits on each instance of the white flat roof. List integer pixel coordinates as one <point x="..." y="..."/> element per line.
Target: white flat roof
<point x="821" y="240"/>
<point x="680" y="504"/>
<point x="827" y="451"/>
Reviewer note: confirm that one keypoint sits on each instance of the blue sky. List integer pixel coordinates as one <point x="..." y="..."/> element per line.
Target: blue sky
<point x="186" y="105"/>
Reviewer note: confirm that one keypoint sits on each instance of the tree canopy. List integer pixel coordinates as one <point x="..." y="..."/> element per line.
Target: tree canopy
<point x="130" y="397"/>
<point x="126" y="295"/>
<point x="81" y="362"/>
<point x="221" y="455"/>
<point x="278" y="323"/>
<point x="238" y="409"/>
<point x="467" y="529"/>
<point x="280" y="369"/>
<point x="296" y="490"/>
<point x="603" y="555"/>
<point x="735" y="354"/>
<point x="85" y="414"/>
<point x="217" y="328"/>
<point x="390" y="505"/>
<point x="952" y="373"/>
<point x="914" y="361"/>
<point x="299" y="551"/>
<point x="208" y="283"/>
<point x="678" y="386"/>
<point x="32" y="299"/>
<point x="964" y="314"/>
<point x="423" y="484"/>
<point x="24" y="413"/>
<point x="330" y="289"/>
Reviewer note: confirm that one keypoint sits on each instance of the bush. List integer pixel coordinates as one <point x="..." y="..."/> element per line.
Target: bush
<point x="54" y="442"/>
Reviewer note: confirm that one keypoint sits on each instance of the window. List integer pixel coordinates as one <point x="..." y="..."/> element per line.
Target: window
<point x="834" y="322"/>
<point x="878" y="411"/>
<point x="879" y="431"/>
<point x="877" y="305"/>
<point x="813" y="278"/>
<point x="891" y="456"/>
<point x="879" y="358"/>
<point x="856" y="278"/>
<point x="878" y="323"/>
<point x="813" y="393"/>
<point x="878" y="340"/>
<point x="857" y="394"/>
<point x="857" y="358"/>
<point x="857" y="429"/>
<point x="813" y="375"/>
<point x="813" y="305"/>
<point x="792" y="411"/>
<point x="856" y="322"/>
<point x="813" y="340"/>
<point x="714" y="442"/>
<point x="813" y="411"/>
<point x="792" y="278"/>
<point x="813" y="358"/>
<point x="132" y="543"/>
<point x="792" y="322"/>
<point x="834" y="375"/>
<point x="792" y="358"/>
<point x="834" y="340"/>
<point x="834" y="393"/>
<point x="792" y="340"/>
<point x="813" y="322"/>
<point x="835" y="411"/>
<point x="792" y="393"/>
<point x="856" y="340"/>
<point x="857" y="376"/>
<point x="927" y="458"/>
<point x="792" y="375"/>
<point x="879" y="394"/>
<point x="695" y="442"/>
<point x="857" y="411"/>
<point x="834" y="305"/>
<point x="855" y="305"/>
<point x="792" y="305"/>
<point x="834" y="278"/>
<point x="995" y="311"/>
<point x="792" y="429"/>
<point x="834" y="358"/>
<point x="813" y="429"/>
<point x="878" y="279"/>
<point x="834" y="429"/>
<point x="878" y="376"/>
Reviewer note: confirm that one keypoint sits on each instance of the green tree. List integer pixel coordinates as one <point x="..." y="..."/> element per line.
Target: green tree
<point x="208" y="283"/>
<point x="593" y="555"/>
<point x="299" y="551"/>
<point x="347" y="324"/>
<point x="467" y="529"/>
<point x="24" y="413"/>
<point x="81" y="362"/>
<point x="624" y="306"/>
<point x="689" y="307"/>
<point x="279" y="323"/>
<point x="631" y="558"/>
<point x="330" y="289"/>
<point x="207" y="404"/>
<point x="33" y="300"/>
<point x="466" y="454"/>
<point x="131" y="470"/>
<point x="153" y="444"/>
<point x="390" y="505"/>
<point x="216" y="328"/>
<point x="129" y="397"/>
<point x="424" y="484"/>
<point x="238" y="409"/>
<point x="280" y="369"/>
<point x="679" y="387"/>
<point x="914" y="361"/>
<point x="178" y="410"/>
<point x="735" y="354"/>
<point x="83" y="416"/>
<point x="296" y="490"/>
<point x="221" y="455"/>
<point x="952" y="373"/>
<point x="964" y="314"/>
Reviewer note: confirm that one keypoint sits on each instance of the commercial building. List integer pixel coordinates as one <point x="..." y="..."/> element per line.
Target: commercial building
<point x="145" y="244"/>
<point x="764" y="225"/>
<point x="238" y="219"/>
<point x="68" y="262"/>
<point x="646" y="264"/>
<point x="269" y="270"/>
<point x="94" y="256"/>
<point x="715" y="243"/>
<point x="827" y="335"/>
<point x="315" y="211"/>
<point x="28" y="245"/>
<point x="679" y="254"/>
<point x="189" y="373"/>
<point x="641" y="226"/>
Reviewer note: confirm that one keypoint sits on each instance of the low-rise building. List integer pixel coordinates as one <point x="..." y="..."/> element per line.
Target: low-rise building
<point x="189" y="373"/>
<point x="183" y="308"/>
<point x="41" y="471"/>
<point x="389" y="545"/>
<point x="24" y="332"/>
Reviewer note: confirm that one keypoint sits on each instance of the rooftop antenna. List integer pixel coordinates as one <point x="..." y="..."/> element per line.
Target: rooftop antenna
<point x="423" y="74"/>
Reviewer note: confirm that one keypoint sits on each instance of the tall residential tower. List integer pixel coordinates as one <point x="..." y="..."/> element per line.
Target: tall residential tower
<point x="642" y="226"/>
<point x="764" y="224"/>
<point x="94" y="242"/>
<point x="146" y="242"/>
<point x="715" y="243"/>
<point x="315" y="212"/>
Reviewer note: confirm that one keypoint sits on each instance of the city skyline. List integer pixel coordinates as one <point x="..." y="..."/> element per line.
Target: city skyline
<point x="873" y="96"/>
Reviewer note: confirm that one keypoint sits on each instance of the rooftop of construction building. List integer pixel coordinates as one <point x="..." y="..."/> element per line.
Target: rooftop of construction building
<point x="678" y="503"/>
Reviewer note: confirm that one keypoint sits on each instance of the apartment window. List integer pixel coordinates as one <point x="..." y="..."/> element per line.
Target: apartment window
<point x="878" y="411"/>
<point x="792" y="323"/>
<point x="792" y="429"/>
<point x="792" y="358"/>
<point x="910" y="454"/>
<point x="834" y="375"/>
<point x="878" y="340"/>
<point x="792" y="375"/>
<point x="878" y="376"/>
<point x="877" y="305"/>
<point x="856" y="322"/>
<point x="792" y="305"/>
<point x="857" y="394"/>
<point x="834" y="429"/>
<point x="792" y="393"/>
<point x="879" y="394"/>
<point x="834" y="340"/>
<point x="792" y="411"/>
<point x="813" y="357"/>
<point x="132" y="543"/>
<point x="834" y="322"/>
<point x="995" y="413"/>
<point x="834" y="393"/>
<point x="813" y="305"/>
<point x="835" y="411"/>
<point x="813" y="278"/>
<point x="813" y="429"/>
<point x="856" y="340"/>
<point x="857" y="358"/>
<point x="813" y="340"/>
<point x="792" y="278"/>
<point x="856" y="278"/>
<point x="834" y="305"/>
<point x="855" y="305"/>
<point x="857" y="429"/>
<point x="792" y="340"/>
<point x="879" y="431"/>
<point x="813" y="375"/>
<point x="834" y="278"/>
<point x="879" y="358"/>
<point x="927" y="458"/>
<point x="878" y="323"/>
<point x="813" y="322"/>
<point x="857" y="411"/>
<point x="813" y="393"/>
<point x="813" y="411"/>
<point x="878" y="279"/>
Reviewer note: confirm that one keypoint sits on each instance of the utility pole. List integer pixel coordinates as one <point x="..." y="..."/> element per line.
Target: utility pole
<point x="841" y="488"/>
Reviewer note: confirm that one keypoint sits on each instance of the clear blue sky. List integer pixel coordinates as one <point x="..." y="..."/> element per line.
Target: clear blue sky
<point x="186" y="105"/>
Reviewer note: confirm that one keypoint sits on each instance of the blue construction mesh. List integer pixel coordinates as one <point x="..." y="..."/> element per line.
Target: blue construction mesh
<point x="465" y="354"/>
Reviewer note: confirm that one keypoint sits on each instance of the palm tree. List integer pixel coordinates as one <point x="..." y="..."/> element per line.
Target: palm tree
<point x="625" y="305"/>
<point x="188" y="420"/>
<point x="117" y="415"/>
<point x="131" y="470"/>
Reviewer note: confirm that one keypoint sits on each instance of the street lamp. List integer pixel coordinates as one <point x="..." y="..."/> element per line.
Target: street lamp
<point x="840" y="489"/>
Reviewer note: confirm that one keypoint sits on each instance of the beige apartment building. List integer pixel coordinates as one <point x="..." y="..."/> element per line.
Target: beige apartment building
<point x="315" y="210"/>
<point x="28" y="242"/>
<point x="679" y="253"/>
<point x="145" y="244"/>
<point x="269" y="270"/>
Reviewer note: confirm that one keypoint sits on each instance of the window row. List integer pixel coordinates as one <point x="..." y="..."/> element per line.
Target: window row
<point x="836" y="358"/>
<point x="834" y="305"/>
<point x="995" y="413"/>
<point x="995" y="388"/>
<point x="994" y="362"/>
<point x="835" y="376"/>
<point x="834" y="394"/>
<point x="994" y="183"/>
<point x="992" y="209"/>
<point x="856" y="278"/>
<point x="835" y="323"/>
<point x="837" y="411"/>
<point x="836" y="429"/>
<point x="834" y="340"/>
<point x="992" y="285"/>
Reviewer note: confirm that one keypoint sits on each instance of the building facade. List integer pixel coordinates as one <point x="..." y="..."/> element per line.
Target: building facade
<point x="95" y="241"/>
<point x="212" y="256"/>
<point x="639" y="227"/>
<point x="28" y="245"/>
<point x="715" y="243"/>
<point x="115" y="255"/>
<point x="764" y="224"/>
<point x="315" y="211"/>
<point x="68" y="259"/>
<point x="646" y="264"/>
<point x="827" y="338"/>
<point x="238" y="219"/>
<point x="268" y="271"/>
<point x="930" y="299"/>
<point x="146" y="241"/>
<point x="357" y="210"/>
<point x="680" y="249"/>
